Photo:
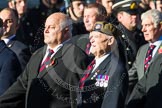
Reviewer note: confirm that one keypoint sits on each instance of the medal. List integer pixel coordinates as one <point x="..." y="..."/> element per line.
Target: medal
<point x="106" y="80"/>
<point x="97" y="81"/>
<point x="102" y="81"/>
<point x="105" y="83"/>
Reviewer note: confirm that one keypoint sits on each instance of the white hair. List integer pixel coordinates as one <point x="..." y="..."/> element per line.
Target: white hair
<point x="155" y="15"/>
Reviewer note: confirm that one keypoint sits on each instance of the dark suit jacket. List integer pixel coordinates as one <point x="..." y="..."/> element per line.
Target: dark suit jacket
<point x="81" y="40"/>
<point x="21" y="50"/>
<point x="129" y="43"/>
<point x="54" y="87"/>
<point x="9" y="67"/>
<point x="112" y="96"/>
<point x="147" y="92"/>
<point x="78" y="28"/>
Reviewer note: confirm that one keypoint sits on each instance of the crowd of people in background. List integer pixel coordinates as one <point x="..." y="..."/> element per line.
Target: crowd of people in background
<point x="81" y="54"/>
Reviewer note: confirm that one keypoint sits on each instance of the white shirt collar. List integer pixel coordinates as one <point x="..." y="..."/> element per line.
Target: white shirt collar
<point x="54" y="49"/>
<point x="100" y="60"/>
<point x="157" y="44"/>
<point x="6" y="40"/>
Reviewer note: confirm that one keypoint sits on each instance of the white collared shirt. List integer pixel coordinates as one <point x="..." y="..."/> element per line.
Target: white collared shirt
<point x="157" y="44"/>
<point x="6" y="40"/>
<point x="99" y="61"/>
<point x="54" y="49"/>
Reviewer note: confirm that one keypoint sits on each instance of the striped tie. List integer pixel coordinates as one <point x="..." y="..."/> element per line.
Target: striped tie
<point x="87" y="73"/>
<point x="46" y="61"/>
<point x="148" y="57"/>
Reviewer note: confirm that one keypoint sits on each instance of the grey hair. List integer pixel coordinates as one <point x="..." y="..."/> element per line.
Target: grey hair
<point x="156" y="16"/>
<point x="67" y="22"/>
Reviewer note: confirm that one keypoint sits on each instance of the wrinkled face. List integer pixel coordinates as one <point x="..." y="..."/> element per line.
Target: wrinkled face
<point x="99" y="42"/>
<point x="90" y="18"/>
<point x="21" y="6"/>
<point x="78" y="7"/>
<point x="108" y="5"/>
<point x="151" y="34"/>
<point x="52" y="32"/>
<point x="128" y="20"/>
<point x="9" y="23"/>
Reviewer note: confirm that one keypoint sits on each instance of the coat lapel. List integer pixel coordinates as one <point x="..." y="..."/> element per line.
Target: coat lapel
<point x="2" y="45"/>
<point x="37" y="59"/>
<point x="144" y="53"/>
<point x="156" y="55"/>
<point x="54" y="60"/>
<point x="101" y="69"/>
<point x="160" y="61"/>
<point x="158" y="67"/>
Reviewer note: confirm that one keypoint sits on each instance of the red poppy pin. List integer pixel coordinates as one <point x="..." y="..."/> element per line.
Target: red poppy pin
<point x="160" y="50"/>
<point x="52" y="62"/>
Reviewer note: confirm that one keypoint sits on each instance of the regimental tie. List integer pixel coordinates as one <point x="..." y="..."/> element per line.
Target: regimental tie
<point x="86" y="74"/>
<point x="46" y="61"/>
<point x="148" y="57"/>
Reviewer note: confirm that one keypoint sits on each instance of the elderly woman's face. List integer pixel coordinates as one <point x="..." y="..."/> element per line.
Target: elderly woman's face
<point x="99" y="42"/>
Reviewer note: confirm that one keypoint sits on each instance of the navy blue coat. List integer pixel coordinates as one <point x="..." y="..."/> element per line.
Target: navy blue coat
<point x="21" y="50"/>
<point x="112" y="95"/>
<point x="9" y="67"/>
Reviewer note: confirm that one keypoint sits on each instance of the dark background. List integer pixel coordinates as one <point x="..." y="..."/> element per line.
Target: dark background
<point x="31" y="3"/>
